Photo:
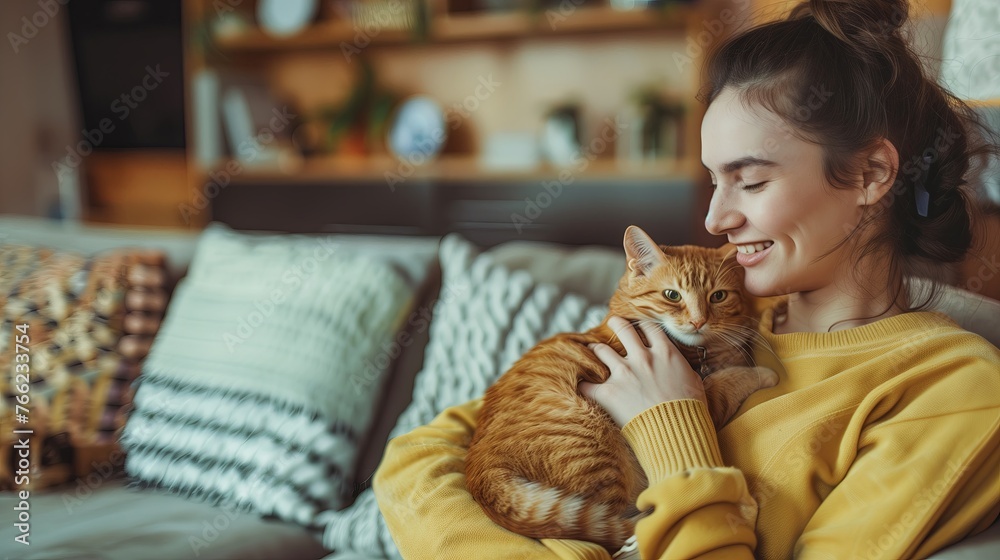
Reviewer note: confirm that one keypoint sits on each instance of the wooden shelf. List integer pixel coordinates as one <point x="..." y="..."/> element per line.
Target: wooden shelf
<point x="326" y="34"/>
<point x="586" y="20"/>
<point x="456" y="168"/>
<point x="471" y="27"/>
<point x="468" y="27"/>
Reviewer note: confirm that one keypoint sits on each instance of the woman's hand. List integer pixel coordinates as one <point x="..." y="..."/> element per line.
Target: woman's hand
<point x="645" y="377"/>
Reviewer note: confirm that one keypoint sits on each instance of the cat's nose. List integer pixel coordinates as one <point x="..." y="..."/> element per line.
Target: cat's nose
<point x="697" y="324"/>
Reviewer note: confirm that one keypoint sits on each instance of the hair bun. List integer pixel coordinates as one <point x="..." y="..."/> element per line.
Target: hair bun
<point x="862" y="24"/>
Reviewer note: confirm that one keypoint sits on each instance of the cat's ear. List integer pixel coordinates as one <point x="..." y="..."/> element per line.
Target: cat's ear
<point x="641" y="251"/>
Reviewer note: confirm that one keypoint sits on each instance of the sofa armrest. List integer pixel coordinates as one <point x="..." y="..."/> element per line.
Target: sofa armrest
<point x="973" y="312"/>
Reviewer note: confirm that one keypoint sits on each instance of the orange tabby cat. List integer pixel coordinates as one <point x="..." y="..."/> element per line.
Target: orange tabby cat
<point x="545" y="462"/>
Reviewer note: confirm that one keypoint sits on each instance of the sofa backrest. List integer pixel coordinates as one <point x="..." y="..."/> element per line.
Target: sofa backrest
<point x="176" y="245"/>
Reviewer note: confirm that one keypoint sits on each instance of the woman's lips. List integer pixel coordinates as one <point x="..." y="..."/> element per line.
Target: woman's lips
<point x="749" y="260"/>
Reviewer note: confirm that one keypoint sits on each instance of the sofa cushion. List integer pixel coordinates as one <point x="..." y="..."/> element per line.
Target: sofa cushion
<point x="592" y="272"/>
<point x="485" y="318"/>
<point x="102" y="519"/>
<point x="263" y="379"/>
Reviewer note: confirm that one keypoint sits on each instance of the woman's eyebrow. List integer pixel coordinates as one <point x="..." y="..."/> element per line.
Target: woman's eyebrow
<point x="748" y="161"/>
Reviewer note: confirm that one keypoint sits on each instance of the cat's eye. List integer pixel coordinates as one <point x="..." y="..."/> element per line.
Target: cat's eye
<point x="672" y="295"/>
<point x="717" y="296"/>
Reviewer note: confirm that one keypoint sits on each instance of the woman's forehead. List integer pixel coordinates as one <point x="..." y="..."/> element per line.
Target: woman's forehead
<point x="732" y="130"/>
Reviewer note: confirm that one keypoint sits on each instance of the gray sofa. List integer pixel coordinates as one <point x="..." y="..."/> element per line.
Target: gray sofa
<point x="104" y="519"/>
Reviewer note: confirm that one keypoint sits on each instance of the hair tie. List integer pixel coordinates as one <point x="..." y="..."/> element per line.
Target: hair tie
<point x="920" y="190"/>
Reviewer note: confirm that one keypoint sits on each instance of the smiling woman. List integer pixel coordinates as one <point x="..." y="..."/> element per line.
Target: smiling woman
<point x="881" y="438"/>
<point x="826" y="162"/>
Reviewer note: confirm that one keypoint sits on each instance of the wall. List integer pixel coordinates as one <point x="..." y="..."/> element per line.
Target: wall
<point x="38" y="111"/>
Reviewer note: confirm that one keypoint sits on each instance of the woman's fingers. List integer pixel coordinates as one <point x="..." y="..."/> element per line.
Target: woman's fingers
<point x="656" y="336"/>
<point x="626" y="333"/>
<point x="608" y="355"/>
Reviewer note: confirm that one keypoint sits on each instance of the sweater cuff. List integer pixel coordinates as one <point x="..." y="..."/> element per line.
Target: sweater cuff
<point x="672" y="437"/>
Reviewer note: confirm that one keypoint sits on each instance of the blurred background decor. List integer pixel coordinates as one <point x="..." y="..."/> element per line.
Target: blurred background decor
<point x="418" y="130"/>
<point x="657" y="127"/>
<point x="971" y="67"/>
<point x="561" y="134"/>
<point x="285" y="17"/>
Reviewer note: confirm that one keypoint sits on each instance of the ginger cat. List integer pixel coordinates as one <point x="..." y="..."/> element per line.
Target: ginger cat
<point x="546" y="462"/>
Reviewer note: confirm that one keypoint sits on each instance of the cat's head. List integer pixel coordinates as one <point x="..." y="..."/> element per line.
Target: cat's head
<point x="695" y="293"/>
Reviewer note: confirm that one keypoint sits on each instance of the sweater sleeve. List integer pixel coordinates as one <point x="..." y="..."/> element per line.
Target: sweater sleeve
<point x="700" y="509"/>
<point x="926" y="472"/>
<point x="421" y="492"/>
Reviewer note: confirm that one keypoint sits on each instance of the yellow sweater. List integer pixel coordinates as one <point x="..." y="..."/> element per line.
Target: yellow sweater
<point x="881" y="441"/>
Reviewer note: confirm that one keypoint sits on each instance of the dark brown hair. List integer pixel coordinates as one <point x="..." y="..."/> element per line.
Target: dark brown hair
<point x="841" y="74"/>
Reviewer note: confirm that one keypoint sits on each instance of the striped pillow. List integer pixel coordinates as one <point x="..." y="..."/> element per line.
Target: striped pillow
<point x="264" y="376"/>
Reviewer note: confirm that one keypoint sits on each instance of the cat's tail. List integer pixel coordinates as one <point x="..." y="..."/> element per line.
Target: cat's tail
<point x="536" y="510"/>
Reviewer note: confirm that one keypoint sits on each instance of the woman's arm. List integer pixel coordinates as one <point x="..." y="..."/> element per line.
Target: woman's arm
<point x="421" y="491"/>
<point x="701" y="509"/>
<point x="925" y="472"/>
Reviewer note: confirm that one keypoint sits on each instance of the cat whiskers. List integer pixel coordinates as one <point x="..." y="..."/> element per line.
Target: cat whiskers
<point x="732" y="266"/>
<point x="652" y="322"/>
<point x="753" y="337"/>
<point x="735" y="340"/>
<point x="615" y="335"/>
<point x="732" y="338"/>
<point x="723" y="262"/>
<point x="644" y="322"/>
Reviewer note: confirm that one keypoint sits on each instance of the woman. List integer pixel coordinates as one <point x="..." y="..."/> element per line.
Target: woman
<point x="838" y="168"/>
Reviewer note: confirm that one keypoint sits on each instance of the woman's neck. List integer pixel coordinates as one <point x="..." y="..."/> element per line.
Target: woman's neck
<point x="830" y="309"/>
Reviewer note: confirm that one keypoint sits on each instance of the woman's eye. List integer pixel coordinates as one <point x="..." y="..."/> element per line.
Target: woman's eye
<point x="755" y="187"/>
<point x="672" y="295"/>
<point x="718" y="296"/>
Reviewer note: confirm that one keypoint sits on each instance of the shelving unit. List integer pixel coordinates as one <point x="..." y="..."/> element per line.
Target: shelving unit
<point x="320" y="35"/>
<point x="611" y="52"/>
<point x="460" y="27"/>
<point x="447" y="28"/>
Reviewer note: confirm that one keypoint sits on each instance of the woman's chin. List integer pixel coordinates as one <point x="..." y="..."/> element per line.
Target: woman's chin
<point x="762" y="286"/>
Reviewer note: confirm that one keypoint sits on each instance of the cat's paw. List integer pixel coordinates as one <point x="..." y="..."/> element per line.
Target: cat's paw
<point x="766" y="377"/>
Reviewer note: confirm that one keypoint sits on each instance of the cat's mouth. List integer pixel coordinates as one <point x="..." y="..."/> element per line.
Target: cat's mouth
<point x="686" y="338"/>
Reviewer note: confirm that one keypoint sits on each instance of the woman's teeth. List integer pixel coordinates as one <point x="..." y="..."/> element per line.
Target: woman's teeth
<point x="753" y="248"/>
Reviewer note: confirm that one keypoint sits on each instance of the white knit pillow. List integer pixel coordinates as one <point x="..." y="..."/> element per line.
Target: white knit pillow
<point x="485" y="319"/>
<point x="264" y="376"/>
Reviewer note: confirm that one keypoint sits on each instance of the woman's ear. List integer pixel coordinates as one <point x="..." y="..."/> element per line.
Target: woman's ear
<point x="880" y="172"/>
<point x="641" y="251"/>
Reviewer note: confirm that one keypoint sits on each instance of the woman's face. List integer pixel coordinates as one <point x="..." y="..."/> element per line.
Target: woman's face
<point x="794" y="215"/>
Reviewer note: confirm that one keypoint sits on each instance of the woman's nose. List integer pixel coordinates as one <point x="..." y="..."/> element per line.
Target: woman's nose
<point x="722" y="214"/>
